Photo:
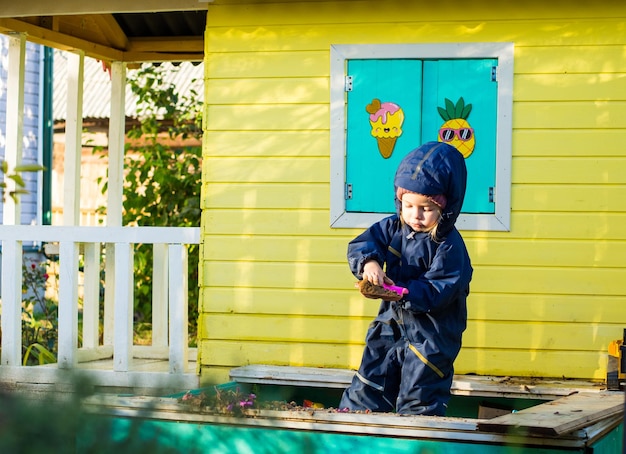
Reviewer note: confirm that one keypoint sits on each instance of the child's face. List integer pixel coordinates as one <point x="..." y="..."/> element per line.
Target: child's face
<point x="419" y="212"/>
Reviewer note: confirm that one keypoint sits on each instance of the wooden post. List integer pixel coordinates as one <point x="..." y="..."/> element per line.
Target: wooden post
<point x="178" y="296"/>
<point x="73" y="138"/>
<point x="91" y="297"/>
<point x="68" y="304"/>
<point x="12" y="250"/>
<point x="123" y="310"/>
<point x="160" y="295"/>
<point x="114" y="186"/>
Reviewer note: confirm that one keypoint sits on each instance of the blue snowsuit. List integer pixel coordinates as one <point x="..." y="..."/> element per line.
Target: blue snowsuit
<point x="407" y="364"/>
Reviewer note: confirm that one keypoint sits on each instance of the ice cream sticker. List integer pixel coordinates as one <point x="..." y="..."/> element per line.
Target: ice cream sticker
<point x="456" y="130"/>
<point x="386" y="120"/>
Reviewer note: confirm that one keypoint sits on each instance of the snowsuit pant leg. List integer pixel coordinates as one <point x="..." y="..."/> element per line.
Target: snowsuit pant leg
<point x="425" y="382"/>
<point x="375" y="386"/>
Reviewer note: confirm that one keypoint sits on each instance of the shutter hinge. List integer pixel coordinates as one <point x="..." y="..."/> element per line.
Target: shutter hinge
<point x="494" y="73"/>
<point x="491" y="194"/>
<point x="348" y="83"/>
<point x="348" y="191"/>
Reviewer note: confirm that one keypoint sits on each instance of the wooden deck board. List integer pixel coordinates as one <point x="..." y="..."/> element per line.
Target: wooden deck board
<point x="559" y="416"/>
<point x="474" y="385"/>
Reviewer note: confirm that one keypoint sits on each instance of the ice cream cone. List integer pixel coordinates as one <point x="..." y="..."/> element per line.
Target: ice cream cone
<point x="386" y="145"/>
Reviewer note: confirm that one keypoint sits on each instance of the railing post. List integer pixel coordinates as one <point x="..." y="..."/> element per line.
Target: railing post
<point x="68" y="304"/>
<point x="178" y="296"/>
<point x="123" y="308"/>
<point x="109" y="294"/>
<point x="91" y="297"/>
<point x="11" y="303"/>
<point x="159" y="295"/>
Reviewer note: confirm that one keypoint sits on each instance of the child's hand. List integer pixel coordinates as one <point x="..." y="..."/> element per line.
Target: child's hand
<point x="390" y="293"/>
<point x="373" y="273"/>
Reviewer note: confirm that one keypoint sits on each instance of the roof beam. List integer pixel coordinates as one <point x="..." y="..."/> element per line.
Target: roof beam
<point x="58" y="40"/>
<point x="67" y="7"/>
<point x="111" y="30"/>
<point x="173" y="44"/>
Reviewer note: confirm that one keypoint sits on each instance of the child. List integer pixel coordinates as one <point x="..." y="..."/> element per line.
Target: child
<point x="407" y="365"/>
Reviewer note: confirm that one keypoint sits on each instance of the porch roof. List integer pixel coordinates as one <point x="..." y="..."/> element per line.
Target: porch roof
<point x="116" y="30"/>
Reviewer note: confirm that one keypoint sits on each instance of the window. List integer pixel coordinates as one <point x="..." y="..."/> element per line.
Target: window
<point x="387" y="100"/>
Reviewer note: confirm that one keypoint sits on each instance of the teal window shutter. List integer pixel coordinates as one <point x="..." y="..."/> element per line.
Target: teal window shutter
<point x="369" y="174"/>
<point x="429" y="95"/>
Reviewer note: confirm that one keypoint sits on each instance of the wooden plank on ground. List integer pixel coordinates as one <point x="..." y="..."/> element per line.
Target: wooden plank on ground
<point x="463" y="385"/>
<point x="559" y="416"/>
<point x="295" y="376"/>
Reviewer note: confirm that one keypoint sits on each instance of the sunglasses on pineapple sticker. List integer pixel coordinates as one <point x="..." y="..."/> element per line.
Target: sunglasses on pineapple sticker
<point x="447" y="134"/>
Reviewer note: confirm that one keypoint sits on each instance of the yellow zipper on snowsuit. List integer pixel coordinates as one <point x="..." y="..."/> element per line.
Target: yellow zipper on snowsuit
<point x="425" y="361"/>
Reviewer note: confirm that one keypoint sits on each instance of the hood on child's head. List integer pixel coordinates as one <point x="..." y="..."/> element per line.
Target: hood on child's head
<point x="431" y="169"/>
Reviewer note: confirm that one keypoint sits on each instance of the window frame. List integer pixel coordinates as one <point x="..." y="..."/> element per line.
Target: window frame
<point x="500" y="220"/>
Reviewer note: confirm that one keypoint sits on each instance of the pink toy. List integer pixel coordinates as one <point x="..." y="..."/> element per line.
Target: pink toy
<point x="395" y="288"/>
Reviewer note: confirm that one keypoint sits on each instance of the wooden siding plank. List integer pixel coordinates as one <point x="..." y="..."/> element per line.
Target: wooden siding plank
<point x="567" y="87"/>
<point x="512" y="279"/>
<point x="571" y="142"/>
<point x="271" y="222"/>
<point x="242" y="67"/>
<point x="569" y="115"/>
<point x="313" y="90"/>
<point x="590" y="61"/>
<point x="579" y="170"/>
<point x="548" y="308"/>
<point x="554" y="253"/>
<point x="556" y="33"/>
<point x="328" y="329"/>
<point x="504" y="252"/>
<point x="536" y="67"/>
<point x="238" y="300"/>
<point x="569" y="197"/>
<point x="529" y="225"/>
<point x="526" y="197"/>
<point x="254" y="195"/>
<point x="314" y="13"/>
<point x="262" y="143"/>
<point x="268" y="118"/>
<point x="483" y="307"/>
<point x="470" y="361"/>
<point x="319" y="250"/>
<point x="267" y="170"/>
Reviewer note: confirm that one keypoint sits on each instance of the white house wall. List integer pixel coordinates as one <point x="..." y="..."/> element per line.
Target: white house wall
<point x="31" y="133"/>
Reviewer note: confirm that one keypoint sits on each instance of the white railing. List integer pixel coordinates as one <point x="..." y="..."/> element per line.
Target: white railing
<point x="76" y="244"/>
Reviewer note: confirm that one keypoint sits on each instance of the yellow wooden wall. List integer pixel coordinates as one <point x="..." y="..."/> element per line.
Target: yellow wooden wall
<point x="547" y="297"/>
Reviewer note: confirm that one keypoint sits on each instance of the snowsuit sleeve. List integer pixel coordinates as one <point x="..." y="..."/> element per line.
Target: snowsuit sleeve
<point x="372" y="244"/>
<point x="443" y="282"/>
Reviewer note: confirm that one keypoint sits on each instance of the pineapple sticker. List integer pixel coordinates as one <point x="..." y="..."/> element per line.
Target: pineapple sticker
<point x="456" y="131"/>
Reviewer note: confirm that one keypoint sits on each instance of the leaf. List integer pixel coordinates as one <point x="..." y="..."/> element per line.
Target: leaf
<point x="29" y="168"/>
<point x="443" y="113"/>
<point x="41" y="353"/>
<point x="458" y="110"/>
<point x="450" y="109"/>
<point x="466" y="111"/>
<point x="18" y="180"/>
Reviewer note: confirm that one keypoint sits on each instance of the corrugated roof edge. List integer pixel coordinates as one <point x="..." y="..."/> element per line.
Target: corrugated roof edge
<point x="186" y="76"/>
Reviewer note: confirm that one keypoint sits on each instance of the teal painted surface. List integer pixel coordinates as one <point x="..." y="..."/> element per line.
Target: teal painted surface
<point x="471" y="80"/>
<point x="149" y="434"/>
<point x="419" y="87"/>
<point x="188" y="438"/>
<point x="611" y="443"/>
<point x="371" y="175"/>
